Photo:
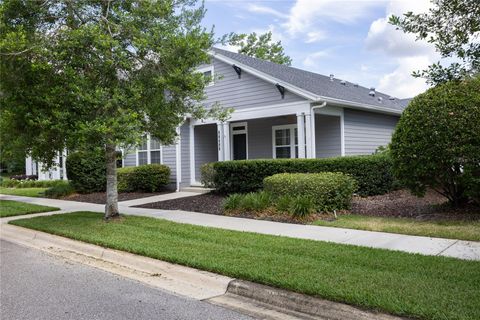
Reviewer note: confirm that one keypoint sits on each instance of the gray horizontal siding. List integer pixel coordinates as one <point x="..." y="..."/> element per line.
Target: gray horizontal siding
<point x="205" y="146"/>
<point x="169" y="159"/>
<point x="130" y="159"/>
<point x="260" y="142"/>
<point x="366" y="131"/>
<point x="327" y="136"/>
<point x="246" y="92"/>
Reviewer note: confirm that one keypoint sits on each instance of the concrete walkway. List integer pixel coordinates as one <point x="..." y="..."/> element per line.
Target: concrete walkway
<point x="469" y="250"/>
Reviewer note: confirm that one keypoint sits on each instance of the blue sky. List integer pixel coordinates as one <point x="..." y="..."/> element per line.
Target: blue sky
<point x="348" y="38"/>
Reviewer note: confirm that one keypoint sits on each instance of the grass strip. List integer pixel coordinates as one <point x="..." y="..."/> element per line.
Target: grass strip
<point x="426" y="287"/>
<point x="451" y="229"/>
<point x="10" y="208"/>
<point x="26" y="192"/>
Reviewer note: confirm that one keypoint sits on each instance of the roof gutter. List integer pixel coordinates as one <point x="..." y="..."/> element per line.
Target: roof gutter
<point x="302" y="92"/>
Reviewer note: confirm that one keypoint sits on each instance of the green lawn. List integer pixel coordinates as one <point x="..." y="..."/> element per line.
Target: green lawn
<point x="463" y="230"/>
<point x="27" y="192"/>
<point x="10" y="208"/>
<point x="426" y="287"/>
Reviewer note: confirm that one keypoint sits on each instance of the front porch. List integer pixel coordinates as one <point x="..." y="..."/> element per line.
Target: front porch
<point x="298" y="131"/>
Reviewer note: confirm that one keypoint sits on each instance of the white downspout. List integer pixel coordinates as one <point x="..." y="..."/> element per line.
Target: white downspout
<point x="312" y="119"/>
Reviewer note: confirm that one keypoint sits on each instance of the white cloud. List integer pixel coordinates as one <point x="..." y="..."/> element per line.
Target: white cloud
<point x="312" y="59"/>
<point x="306" y="13"/>
<point x="267" y="10"/>
<point x="400" y="83"/>
<point x="315" y="36"/>
<point x="409" y="55"/>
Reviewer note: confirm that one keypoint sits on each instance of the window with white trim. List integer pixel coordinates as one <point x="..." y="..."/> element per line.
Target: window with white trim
<point x="208" y="72"/>
<point x="149" y="151"/>
<point x="285" y="141"/>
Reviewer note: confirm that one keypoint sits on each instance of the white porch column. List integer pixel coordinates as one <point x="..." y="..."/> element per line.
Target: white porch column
<point x="191" y="137"/>
<point x="28" y="166"/>
<point x="220" y="142"/>
<point x="301" y="134"/>
<point x="313" y="138"/>
<point x="226" y="141"/>
<point x="308" y="135"/>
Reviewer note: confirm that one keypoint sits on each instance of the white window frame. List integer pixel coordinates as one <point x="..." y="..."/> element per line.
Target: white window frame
<point x="234" y="132"/>
<point x="206" y="69"/>
<point x="292" y="128"/>
<point x="148" y="151"/>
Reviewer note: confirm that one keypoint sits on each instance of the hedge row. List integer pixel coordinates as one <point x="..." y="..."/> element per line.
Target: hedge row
<point x="373" y="172"/>
<point x="87" y="171"/>
<point x="146" y="178"/>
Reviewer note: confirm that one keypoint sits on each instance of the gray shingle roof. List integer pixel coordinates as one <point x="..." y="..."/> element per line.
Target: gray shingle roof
<point x="316" y="83"/>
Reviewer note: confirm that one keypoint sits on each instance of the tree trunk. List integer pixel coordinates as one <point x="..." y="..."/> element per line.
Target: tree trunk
<point x="111" y="207"/>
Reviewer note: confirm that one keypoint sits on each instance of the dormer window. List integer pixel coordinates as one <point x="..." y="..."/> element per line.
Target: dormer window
<point x="208" y="74"/>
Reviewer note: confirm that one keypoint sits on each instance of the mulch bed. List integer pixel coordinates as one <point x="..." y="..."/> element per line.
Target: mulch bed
<point x="400" y="203"/>
<point x="100" y="197"/>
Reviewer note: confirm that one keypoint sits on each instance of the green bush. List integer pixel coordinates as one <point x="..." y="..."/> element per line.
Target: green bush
<point x="283" y="203"/>
<point x="30" y="183"/>
<point x="249" y="202"/>
<point x="146" y="178"/>
<point x="207" y="175"/>
<point x="328" y="190"/>
<point x="373" y="173"/>
<point x="59" y="190"/>
<point x="233" y="201"/>
<point x="437" y="142"/>
<point x="86" y="171"/>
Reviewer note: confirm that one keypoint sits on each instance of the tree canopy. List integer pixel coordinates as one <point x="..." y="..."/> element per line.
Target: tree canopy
<point x="98" y="74"/>
<point x="453" y="26"/>
<point x="259" y="46"/>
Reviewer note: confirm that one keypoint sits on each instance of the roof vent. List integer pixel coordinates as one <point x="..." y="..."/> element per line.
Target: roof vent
<point x="372" y="92"/>
<point x="380" y="99"/>
<point x="343" y="82"/>
<point x="355" y="85"/>
<point x="391" y="98"/>
<point x="331" y="76"/>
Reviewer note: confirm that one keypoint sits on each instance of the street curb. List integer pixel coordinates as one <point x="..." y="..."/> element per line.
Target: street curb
<point x="181" y="280"/>
<point x="248" y="297"/>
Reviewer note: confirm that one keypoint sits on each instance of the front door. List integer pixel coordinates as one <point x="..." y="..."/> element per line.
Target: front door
<point x="239" y="141"/>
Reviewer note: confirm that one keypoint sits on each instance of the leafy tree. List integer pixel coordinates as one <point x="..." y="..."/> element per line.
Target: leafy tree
<point x="259" y="46"/>
<point x="92" y="74"/>
<point x="453" y="26"/>
<point x="437" y="142"/>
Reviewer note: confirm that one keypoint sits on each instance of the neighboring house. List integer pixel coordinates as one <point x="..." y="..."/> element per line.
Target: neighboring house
<point x="279" y="112"/>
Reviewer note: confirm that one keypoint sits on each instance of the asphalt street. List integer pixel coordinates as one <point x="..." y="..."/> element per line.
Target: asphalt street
<point x="35" y="285"/>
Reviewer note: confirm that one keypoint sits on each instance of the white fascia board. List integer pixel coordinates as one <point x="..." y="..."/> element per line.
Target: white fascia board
<point x="262" y="112"/>
<point x="302" y="92"/>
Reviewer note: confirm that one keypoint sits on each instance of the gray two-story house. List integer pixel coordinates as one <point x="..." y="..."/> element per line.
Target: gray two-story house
<point x="279" y="112"/>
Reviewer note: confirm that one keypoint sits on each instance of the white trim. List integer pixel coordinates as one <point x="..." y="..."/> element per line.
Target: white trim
<point x="192" y="153"/>
<point x="232" y="132"/>
<point x="301" y="135"/>
<point x="342" y="132"/>
<point x="148" y="151"/>
<point x="292" y="128"/>
<point x="308" y="135"/>
<point x="206" y="69"/>
<point x="178" y="160"/>
<point x="220" y="144"/>
<point x="299" y="91"/>
<point x="227" y="154"/>
<point x="262" y="112"/>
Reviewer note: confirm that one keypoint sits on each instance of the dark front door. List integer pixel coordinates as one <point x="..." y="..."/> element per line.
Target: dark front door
<point x="240" y="146"/>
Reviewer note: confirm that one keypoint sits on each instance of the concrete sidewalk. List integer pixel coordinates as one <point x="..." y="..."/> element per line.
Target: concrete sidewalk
<point x="469" y="250"/>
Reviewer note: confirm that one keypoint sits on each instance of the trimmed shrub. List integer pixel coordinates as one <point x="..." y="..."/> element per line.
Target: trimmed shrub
<point x="373" y="173"/>
<point x="328" y="190"/>
<point x="146" y="178"/>
<point x="59" y="190"/>
<point x="86" y="171"/>
<point x="207" y="175"/>
<point x="437" y="142"/>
